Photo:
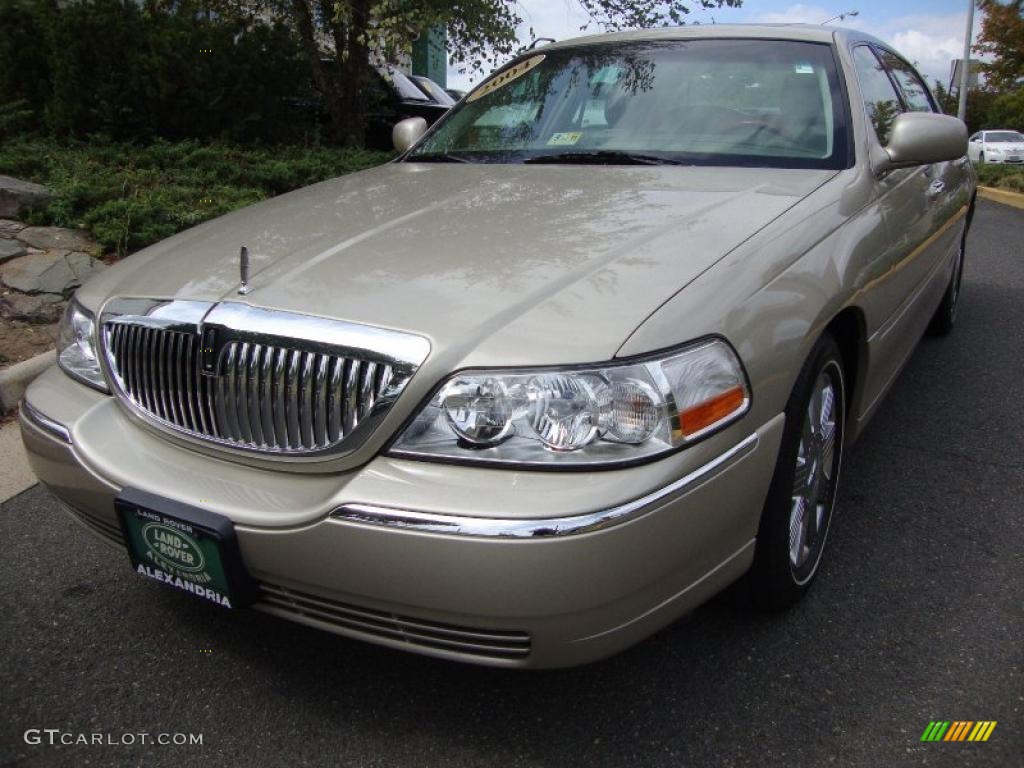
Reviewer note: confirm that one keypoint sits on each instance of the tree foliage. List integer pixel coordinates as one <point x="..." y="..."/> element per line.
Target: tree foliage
<point x="1002" y="38"/>
<point x="135" y="71"/>
<point x="613" y="15"/>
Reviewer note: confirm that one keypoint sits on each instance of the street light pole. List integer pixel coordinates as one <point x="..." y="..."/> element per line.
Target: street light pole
<point x="965" y="72"/>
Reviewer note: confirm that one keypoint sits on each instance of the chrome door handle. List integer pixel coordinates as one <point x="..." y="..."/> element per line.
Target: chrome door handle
<point x="936" y="188"/>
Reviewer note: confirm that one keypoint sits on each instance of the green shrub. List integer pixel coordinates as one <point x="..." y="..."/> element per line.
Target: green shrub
<point x="129" y="196"/>
<point x="1002" y="177"/>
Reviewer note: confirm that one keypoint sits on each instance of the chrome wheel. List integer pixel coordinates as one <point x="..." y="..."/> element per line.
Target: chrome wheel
<point x="791" y="536"/>
<point x="815" y="475"/>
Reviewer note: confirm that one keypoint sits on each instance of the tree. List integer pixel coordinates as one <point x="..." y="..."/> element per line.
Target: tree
<point x="946" y="100"/>
<point x="339" y="36"/>
<point x="1007" y="111"/>
<point x="980" y="107"/>
<point x="1002" y="37"/>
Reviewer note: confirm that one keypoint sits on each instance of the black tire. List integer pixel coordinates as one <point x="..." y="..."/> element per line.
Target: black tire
<point x="786" y="561"/>
<point x="945" y="316"/>
<point x="981" y="159"/>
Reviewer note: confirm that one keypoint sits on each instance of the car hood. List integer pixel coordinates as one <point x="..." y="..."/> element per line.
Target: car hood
<point x="1006" y="146"/>
<point x="494" y="264"/>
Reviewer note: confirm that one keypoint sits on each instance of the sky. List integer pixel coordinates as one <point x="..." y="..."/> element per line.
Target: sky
<point x="927" y="32"/>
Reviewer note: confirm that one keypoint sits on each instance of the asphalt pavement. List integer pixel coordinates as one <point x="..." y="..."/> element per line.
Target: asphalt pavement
<point x="918" y="615"/>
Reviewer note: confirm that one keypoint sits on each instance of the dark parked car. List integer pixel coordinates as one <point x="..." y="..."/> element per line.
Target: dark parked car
<point x="391" y="97"/>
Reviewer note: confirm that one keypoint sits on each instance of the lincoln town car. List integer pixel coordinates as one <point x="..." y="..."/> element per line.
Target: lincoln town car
<point x="587" y="352"/>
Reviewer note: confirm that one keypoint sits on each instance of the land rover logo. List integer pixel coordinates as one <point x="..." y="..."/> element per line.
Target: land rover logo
<point x="175" y="548"/>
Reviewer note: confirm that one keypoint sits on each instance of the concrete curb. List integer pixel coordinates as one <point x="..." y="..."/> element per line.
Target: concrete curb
<point x="15" y="380"/>
<point x="1014" y="199"/>
<point x="17" y="475"/>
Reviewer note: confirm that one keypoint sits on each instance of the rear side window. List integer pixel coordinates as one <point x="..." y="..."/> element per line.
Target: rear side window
<point x="880" y="98"/>
<point x="914" y="90"/>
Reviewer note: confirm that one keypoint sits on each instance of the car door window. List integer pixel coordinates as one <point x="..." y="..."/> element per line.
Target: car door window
<point x="880" y="98"/>
<point x="915" y="92"/>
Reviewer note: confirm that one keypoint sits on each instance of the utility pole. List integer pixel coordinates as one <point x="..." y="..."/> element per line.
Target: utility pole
<point x="965" y="72"/>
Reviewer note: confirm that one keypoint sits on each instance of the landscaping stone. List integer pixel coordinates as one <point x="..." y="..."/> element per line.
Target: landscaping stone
<point x="56" y="272"/>
<point x="59" y="238"/>
<point x="39" y="309"/>
<point x="17" y="196"/>
<point x="9" y="227"/>
<point x="10" y="249"/>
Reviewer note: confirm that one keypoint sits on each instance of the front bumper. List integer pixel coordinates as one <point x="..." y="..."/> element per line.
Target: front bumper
<point x="499" y="567"/>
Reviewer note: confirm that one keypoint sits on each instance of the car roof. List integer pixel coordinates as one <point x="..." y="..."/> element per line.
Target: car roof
<point x="815" y="33"/>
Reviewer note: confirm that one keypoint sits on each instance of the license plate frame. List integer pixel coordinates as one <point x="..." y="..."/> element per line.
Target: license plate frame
<point x="187" y="548"/>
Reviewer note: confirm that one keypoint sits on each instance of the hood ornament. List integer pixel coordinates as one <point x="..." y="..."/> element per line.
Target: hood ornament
<point x="243" y="266"/>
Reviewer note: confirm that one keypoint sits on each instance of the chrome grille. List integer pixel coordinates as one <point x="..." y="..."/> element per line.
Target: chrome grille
<point x="262" y="396"/>
<point x="286" y="384"/>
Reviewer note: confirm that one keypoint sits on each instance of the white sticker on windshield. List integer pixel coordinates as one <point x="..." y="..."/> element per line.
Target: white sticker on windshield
<point x="564" y="139"/>
<point x="803" y="68"/>
<point x="506" y="77"/>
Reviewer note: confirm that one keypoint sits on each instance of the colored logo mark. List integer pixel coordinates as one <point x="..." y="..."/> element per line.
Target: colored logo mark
<point x="958" y="730"/>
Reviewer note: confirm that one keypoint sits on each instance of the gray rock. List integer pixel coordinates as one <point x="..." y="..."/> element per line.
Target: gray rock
<point x="10" y="249"/>
<point x="9" y="228"/>
<point x="83" y="265"/>
<point x="42" y="308"/>
<point x="52" y="272"/>
<point x="17" y="196"/>
<point x="59" y="238"/>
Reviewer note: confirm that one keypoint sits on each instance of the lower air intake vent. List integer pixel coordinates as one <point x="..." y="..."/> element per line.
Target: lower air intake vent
<point x="486" y="643"/>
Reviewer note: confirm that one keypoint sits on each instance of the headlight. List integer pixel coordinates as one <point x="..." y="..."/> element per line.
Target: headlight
<point x="994" y="151"/>
<point x="586" y="415"/>
<point x="76" y="347"/>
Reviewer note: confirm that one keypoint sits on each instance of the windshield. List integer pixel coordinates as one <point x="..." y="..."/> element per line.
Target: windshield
<point x="705" y="102"/>
<point x="405" y="87"/>
<point x="1011" y="137"/>
<point x="432" y="89"/>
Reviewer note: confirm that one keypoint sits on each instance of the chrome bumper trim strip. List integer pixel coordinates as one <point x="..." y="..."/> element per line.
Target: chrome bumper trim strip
<point x="429" y="522"/>
<point x="39" y="419"/>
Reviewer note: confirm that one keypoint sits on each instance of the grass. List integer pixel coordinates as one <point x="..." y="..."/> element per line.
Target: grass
<point x="1007" y="177"/>
<point x="130" y="196"/>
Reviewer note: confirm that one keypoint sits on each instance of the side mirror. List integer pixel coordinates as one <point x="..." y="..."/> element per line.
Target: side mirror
<point x="407" y="132"/>
<point x="922" y="138"/>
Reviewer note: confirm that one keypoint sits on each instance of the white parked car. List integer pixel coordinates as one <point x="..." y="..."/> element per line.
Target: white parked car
<point x="996" y="147"/>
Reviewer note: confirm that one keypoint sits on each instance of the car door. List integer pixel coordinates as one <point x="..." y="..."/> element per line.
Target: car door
<point x="914" y="204"/>
<point x="947" y="190"/>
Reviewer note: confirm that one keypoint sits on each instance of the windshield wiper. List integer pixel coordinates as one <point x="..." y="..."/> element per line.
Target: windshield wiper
<point x="436" y="157"/>
<point x="603" y="157"/>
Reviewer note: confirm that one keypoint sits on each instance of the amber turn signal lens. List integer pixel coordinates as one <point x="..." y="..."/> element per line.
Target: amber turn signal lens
<point x="703" y="415"/>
